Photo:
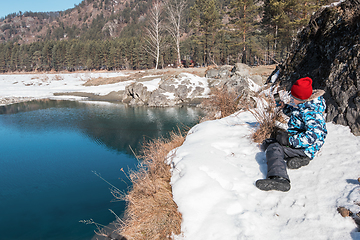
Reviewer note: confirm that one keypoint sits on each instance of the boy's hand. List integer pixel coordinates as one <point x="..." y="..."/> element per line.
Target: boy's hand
<point x="283" y="138"/>
<point x="277" y="100"/>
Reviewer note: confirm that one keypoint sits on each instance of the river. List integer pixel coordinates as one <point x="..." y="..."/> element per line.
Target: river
<point x="50" y="151"/>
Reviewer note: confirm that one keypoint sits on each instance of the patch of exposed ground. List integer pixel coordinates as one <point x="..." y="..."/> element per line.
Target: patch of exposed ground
<point x="111" y="97"/>
<point x="145" y="75"/>
<point x="148" y="75"/>
<point x="263" y="70"/>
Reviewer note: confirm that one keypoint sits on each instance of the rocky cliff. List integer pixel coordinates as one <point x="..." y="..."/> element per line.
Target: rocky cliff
<point x="328" y="51"/>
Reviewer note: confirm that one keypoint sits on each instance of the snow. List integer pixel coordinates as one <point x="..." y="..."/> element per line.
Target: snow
<point x="45" y="85"/>
<point x="37" y="86"/>
<point x="150" y="76"/>
<point x="334" y="4"/>
<point x="275" y="76"/>
<point x="253" y="86"/>
<point x="194" y="81"/>
<point x="152" y="85"/>
<point x="213" y="176"/>
<point x="170" y="96"/>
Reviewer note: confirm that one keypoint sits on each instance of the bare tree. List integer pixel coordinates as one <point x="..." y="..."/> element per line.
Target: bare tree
<point x="175" y="10"/>
<point x="154" y="38"/>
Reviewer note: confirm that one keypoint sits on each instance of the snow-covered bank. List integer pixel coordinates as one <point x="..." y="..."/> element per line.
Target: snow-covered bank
<point x="214" y="172"/>
<point x="168" y="88"/>
<point x="38" y="86"/>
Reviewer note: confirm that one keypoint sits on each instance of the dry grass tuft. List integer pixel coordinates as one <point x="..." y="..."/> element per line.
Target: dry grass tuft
<point x="151" y="212"/>
<point x="267" y="116"/>
<point x="221" y="101"/>
<point x="58" y="78"/>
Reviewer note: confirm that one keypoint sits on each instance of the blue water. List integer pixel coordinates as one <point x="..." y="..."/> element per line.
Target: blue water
<point x="48" y="152"/>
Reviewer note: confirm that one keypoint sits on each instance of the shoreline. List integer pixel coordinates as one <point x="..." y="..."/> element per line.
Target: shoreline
<point x="96" y="83"/>
<point x="108" y="86"/>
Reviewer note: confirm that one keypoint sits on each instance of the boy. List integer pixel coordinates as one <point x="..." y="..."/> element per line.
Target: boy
<point x="303" y="139"/>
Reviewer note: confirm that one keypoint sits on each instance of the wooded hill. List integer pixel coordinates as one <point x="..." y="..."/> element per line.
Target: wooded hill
<point x="111" y="34"/>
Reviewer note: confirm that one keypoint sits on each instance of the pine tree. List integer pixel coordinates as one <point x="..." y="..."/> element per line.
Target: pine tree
<point x="37" y="59"/>
<point x="47" y="54"/>
<point x="282" y="19"/>
<point x="2" y="58"/>
<point x="244" y="15"/>
<point x="205" y="21"/>
<point x="70" y="56"/>
<point x="24" y="61"/>
<point x="59" y="56"/>
<point x="14" y="61"/>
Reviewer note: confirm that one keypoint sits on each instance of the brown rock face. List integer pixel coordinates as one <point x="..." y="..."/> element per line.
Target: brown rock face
<point x="328" y="51"/>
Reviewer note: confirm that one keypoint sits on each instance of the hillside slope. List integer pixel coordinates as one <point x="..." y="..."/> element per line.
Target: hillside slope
<point x="91" y="18"/>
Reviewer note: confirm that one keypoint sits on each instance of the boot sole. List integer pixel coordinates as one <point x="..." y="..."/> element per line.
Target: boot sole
<point x="297" y="164"/>
<point x="272" y="184"/>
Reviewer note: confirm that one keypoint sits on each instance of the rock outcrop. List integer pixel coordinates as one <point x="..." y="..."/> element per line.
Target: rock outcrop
<point x="239" y="69"/>
<point x="184" y="89"/>
<point x="136" y="94"/>
<point x="189" y="89"/>
<point x="328" y="51"/>
<point x="238" y="78"/>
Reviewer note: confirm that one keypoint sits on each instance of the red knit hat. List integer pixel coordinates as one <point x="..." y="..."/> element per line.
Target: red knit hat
<point x="302" y="88"/>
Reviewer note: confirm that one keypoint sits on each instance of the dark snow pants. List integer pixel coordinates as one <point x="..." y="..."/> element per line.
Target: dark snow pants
<point x="276" y="156"/>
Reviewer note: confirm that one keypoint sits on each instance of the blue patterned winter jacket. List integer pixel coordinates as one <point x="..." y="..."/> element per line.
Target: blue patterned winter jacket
<point x="307" y="125"/>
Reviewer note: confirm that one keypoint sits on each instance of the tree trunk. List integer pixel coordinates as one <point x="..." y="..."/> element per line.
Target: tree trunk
<point x="175" y="11"/>
<point x="153" y="37"/>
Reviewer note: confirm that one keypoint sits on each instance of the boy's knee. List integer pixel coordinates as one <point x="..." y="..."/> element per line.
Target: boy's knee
<point x="274" y="146"/>
<point x="275" y="150"/>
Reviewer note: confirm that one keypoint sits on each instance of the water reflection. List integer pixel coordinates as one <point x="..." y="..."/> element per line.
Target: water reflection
<point x="115" y="125"/>
<point x="48" y="152"/>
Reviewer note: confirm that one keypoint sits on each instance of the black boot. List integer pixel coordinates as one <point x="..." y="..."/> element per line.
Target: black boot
<point x="297" y="162"/>
<point x="273" y="183"/>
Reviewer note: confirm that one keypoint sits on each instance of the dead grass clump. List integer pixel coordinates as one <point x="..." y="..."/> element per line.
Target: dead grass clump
<point x="267" y="116"/>
<point x="151" y="212"/>
<point x="221" y="103"/>
<point x="58" y="78"/>
<point x="44" y="78"/>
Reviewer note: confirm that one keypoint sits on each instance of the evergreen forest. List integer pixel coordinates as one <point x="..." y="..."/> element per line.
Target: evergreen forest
<point x="143" y="34"/>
